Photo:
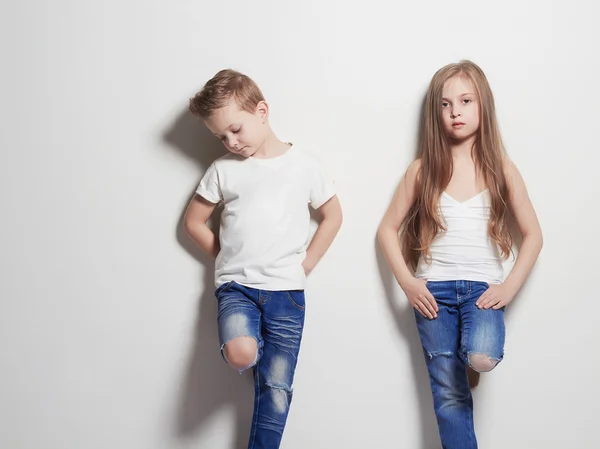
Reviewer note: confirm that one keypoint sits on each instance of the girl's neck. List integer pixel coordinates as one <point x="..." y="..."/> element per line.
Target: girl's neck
<point x="462" y="149"/>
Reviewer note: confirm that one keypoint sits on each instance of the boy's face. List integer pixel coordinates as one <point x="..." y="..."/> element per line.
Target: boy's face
<point x="460" y="108"/>
<point x="241" y="132"/>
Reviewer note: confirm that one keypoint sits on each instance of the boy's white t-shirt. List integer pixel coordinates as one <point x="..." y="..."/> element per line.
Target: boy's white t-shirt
<point x="265" y="224"/>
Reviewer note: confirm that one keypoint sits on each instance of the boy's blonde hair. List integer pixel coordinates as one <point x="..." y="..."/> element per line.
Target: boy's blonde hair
<point x="217" y="92"/>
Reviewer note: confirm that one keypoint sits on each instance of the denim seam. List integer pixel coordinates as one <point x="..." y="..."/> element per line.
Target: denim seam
<point x="257" y="406"/>
<point x="459" y="296"/>
<point x="263" y="297"/>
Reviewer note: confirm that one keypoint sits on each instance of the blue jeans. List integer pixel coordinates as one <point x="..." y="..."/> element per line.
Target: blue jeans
<point x="462" y="334"/>
<point x="275" y="319"/>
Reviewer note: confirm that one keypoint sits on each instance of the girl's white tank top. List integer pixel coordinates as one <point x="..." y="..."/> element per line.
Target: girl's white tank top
<point x="464" y="251"/>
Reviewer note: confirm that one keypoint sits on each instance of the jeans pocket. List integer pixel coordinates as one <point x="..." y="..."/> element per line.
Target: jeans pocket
<point x="296" y="298"/>
<point x="223" y="288"/>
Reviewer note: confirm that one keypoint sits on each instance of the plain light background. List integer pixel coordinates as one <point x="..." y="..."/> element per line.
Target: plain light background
<point x="107" y="322"/>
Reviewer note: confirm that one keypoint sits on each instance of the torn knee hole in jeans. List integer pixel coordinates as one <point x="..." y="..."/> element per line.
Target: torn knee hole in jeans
<point x="281" y="396"/>
<point x="278" y="379"/>
<point x="432" y="354"/>
<point x="245" y="358"/>
<point x="482" y="362"/>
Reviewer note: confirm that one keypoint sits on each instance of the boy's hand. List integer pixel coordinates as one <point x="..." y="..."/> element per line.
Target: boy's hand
<point x="496" y="297"/>
<point x="331" y="220"/>
<point x="308" y="267"/>
<point x="420" y="297"/>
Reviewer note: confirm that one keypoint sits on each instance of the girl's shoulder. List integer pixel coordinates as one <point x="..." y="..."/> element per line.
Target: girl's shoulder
<point x="511" y="172"/>
<point x="414" y="170"/>
<point x="508" y="164"/>
<point x="514" y="181"/>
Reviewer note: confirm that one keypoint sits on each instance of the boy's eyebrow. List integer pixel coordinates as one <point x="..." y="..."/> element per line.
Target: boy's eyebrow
<point x="219" y="135"/>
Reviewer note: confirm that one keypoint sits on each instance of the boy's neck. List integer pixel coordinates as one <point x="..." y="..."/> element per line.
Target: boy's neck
<point x="272" y="147"/>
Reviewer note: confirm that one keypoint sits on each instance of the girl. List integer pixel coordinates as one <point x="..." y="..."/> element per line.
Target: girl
<point x="452" y="208"/>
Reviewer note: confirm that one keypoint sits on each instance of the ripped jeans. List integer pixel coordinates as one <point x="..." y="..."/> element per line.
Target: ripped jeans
<point x="275" y="319"/>
<point x="462" y="334"/>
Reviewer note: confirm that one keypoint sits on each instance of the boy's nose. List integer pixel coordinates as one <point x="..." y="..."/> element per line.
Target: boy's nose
<point x="232" y="142"/>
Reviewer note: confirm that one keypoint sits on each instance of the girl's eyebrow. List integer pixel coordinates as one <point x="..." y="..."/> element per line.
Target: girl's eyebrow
<point x="461" y="95"/>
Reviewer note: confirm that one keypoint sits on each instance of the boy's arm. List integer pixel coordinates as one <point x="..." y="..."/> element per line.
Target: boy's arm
<point x="331" y="214"/>
<point x="197" y="214"/>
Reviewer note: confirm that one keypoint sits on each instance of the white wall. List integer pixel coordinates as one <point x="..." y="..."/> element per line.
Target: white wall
<point x="107" y="331"/>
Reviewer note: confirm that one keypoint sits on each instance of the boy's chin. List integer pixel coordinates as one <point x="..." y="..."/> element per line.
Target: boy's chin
<point x="246" y="152"/>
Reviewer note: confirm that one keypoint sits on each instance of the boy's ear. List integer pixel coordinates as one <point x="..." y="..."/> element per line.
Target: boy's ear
<point x="262" y="110"/>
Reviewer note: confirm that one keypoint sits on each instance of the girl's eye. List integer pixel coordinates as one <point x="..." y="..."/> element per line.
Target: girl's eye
<point x="467" y="100"/>
<point x="445" y="104"/>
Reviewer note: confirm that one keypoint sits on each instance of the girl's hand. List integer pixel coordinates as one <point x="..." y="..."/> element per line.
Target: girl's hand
<point x="496" y="297"/>
<point x="420" y="297"/>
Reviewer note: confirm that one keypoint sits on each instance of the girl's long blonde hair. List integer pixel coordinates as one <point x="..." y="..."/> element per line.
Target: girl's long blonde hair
<point x="423" y="221"/>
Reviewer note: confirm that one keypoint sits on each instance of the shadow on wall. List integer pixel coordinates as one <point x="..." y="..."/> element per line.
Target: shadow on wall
<point x="209" y="383"/>
<point x="405" y="322"/>
<point x="403" y="314"/>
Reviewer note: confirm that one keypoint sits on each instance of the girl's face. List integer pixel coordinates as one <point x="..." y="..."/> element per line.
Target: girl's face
<point x="460" y="108"/>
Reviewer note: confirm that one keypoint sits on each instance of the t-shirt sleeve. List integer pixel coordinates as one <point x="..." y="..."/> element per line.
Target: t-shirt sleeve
<point x="322" y="186"/>
<point x="209" y="187"/>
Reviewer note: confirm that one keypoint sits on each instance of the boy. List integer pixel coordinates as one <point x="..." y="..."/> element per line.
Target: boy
<point x="262" y="258"/>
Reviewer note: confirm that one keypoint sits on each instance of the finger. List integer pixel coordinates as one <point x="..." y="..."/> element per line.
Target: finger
<point x="499" y="305"/>
<point x="423" y="310"/>
<point x="426" y="309"/>
<point x="432" y="301"/>
<point x="483" y="298"/>
<point x="490" y="297"/>
<point x="492" y="303"/>
<point x="418" y="309"/>
<point x="430" y="308"/>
